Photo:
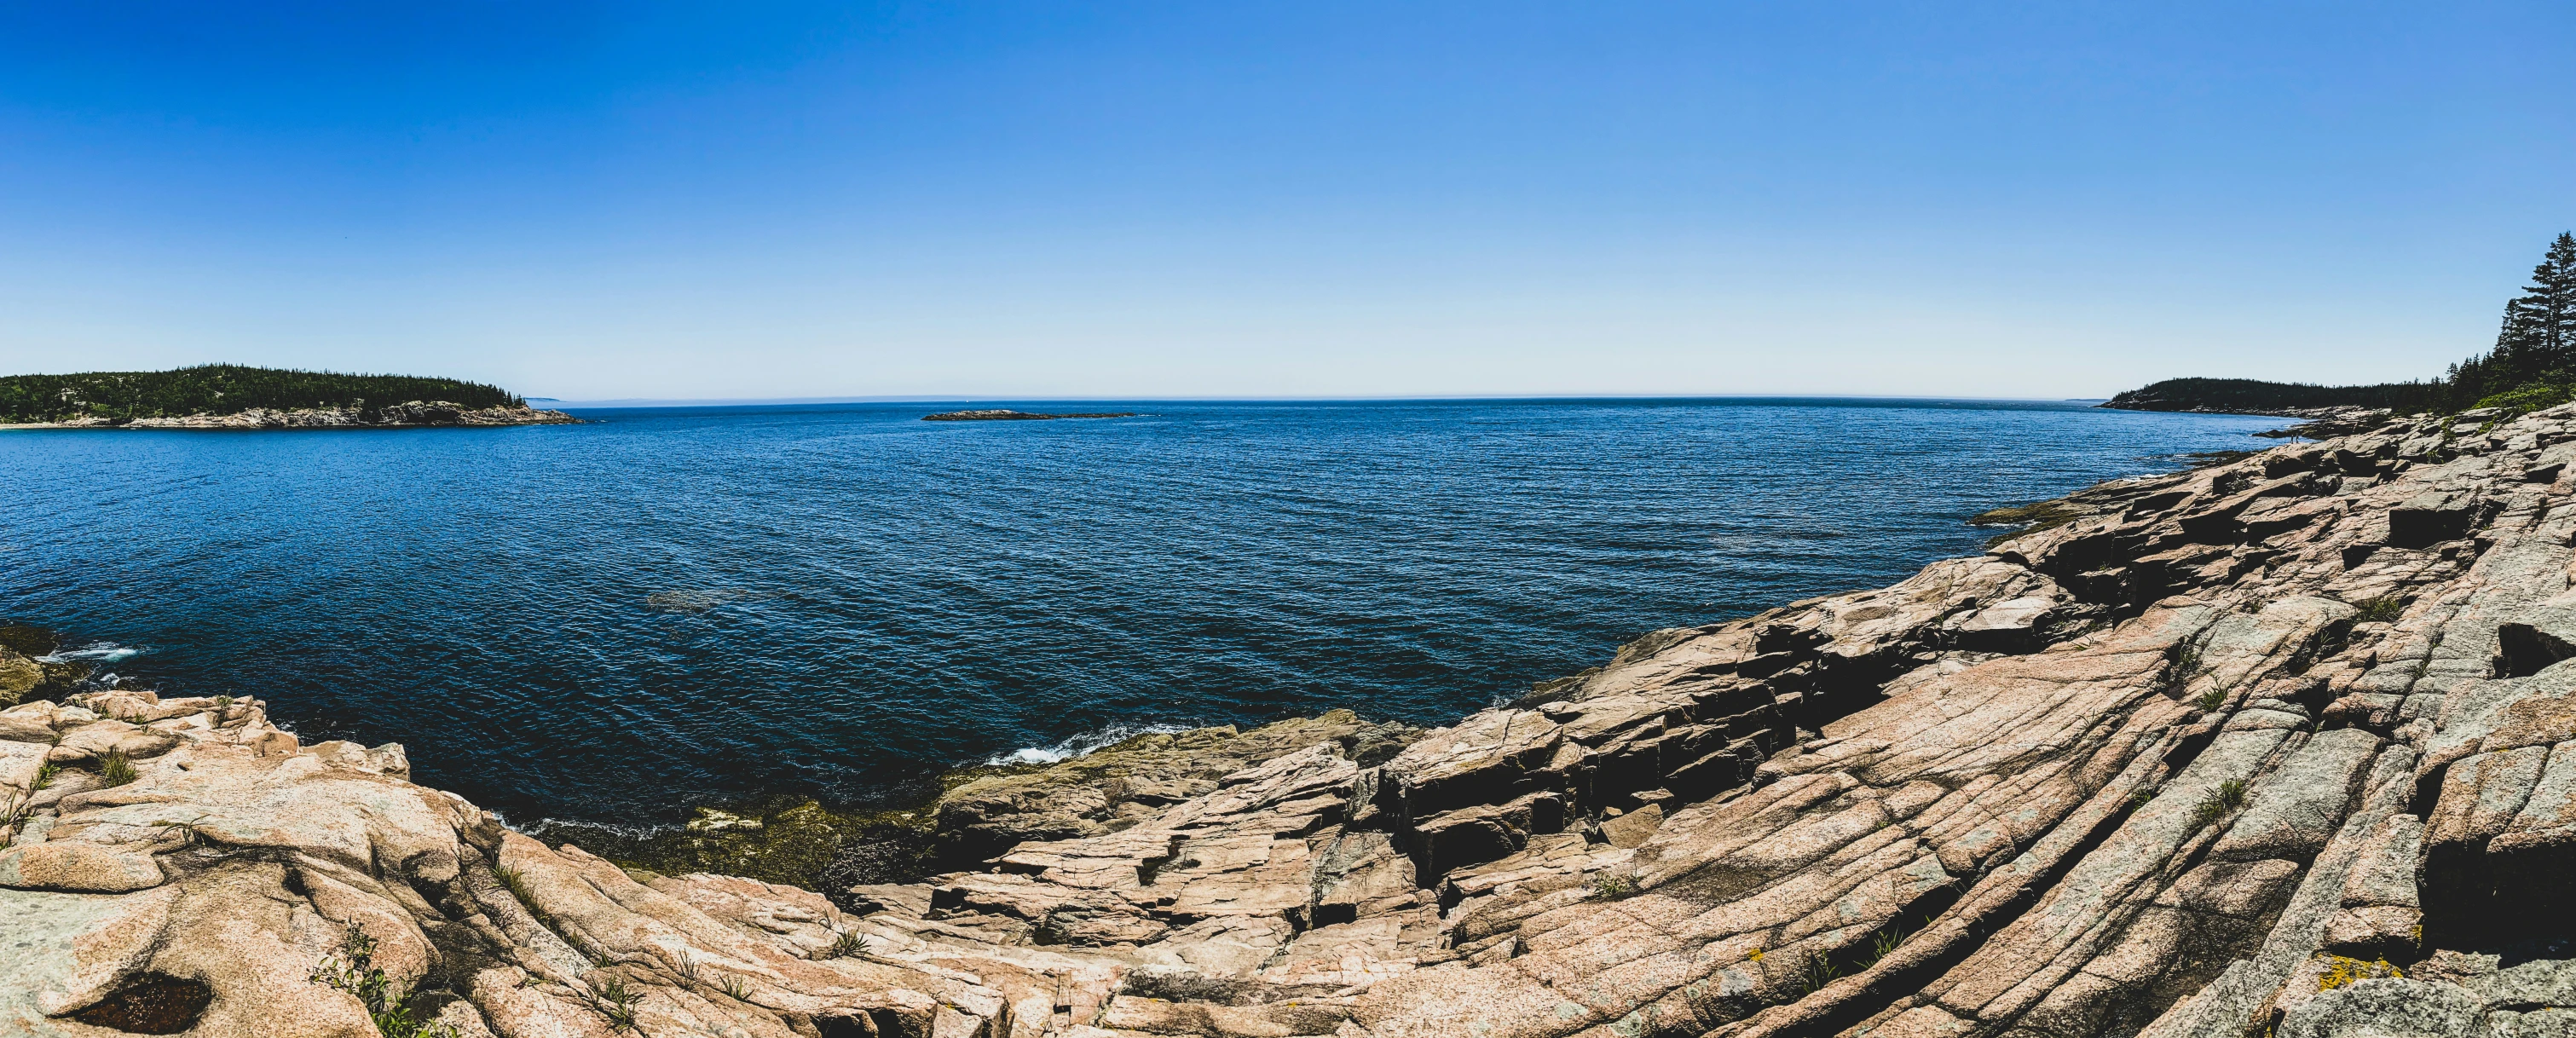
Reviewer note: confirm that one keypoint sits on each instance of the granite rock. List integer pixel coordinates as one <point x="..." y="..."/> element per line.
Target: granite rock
<point x="2284" y="745"/>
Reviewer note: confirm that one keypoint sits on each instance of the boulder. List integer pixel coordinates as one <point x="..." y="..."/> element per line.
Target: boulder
<point x="82" y="867"/>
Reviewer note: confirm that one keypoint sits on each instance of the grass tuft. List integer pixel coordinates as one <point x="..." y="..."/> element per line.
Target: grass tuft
<point x="2231" y="795"/>
<point x="1615" y="886"/>
<point x="2210" y="701"/>
<point x="1818" y="972"/>
<point x="848" y="944"/>
<point x="517" y="885"/>
<point x="1886" y="941"/>
<point x="114" y="769"/>
<point x="616" y="1001"/>
<point x="735" y="989"/>
<point x="2227" y="799"/>
<point x="2384" y="609"/>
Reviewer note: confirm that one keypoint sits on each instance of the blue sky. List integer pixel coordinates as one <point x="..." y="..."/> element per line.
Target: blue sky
<point x="1295" y="199"/>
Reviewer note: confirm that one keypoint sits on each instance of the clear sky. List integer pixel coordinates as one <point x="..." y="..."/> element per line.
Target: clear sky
<point x="749" y="200"/>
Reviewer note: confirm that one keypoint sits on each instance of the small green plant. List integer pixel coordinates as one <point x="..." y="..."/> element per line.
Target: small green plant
<point x="114" y="769"/>
<point x="1615" y="886"/>
<point x="2227" y="799"/>
<point x="735" y="989"/>
<point x="1818" y="972"/>
<point x="2231" y="795"/>
<point x="390" y="1010"/>
<point x="1886" y="941"/>
<point x="616" y="1001"/>
<point x="848" y="944"/>
<point x="2182" y="663"/>
<point x="517" y="885"/>
<point x="2210" y="701"/>
<point x="2384" y="609"/>
<point x="44" y="776"/>
<point x="223" y="702"/>
<point x="2139" y="800"/>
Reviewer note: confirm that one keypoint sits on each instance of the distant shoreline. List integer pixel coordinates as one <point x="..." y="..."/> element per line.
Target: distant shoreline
<point x="413" y="415"/>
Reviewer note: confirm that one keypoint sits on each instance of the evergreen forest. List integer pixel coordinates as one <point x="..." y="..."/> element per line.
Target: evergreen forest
<point x="2532" y="365"/>
<point x="217" y="389"/>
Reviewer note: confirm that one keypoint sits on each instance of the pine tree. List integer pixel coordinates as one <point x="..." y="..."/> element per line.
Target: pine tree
<point x="2536" y="344"/>
<point x="2545" y="316"/>
<point x="2518" y="355"/>
<point x="2538" y="339"/>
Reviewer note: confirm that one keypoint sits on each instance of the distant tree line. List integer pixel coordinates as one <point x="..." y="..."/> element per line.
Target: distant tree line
<point x="2250" y="395"/>
<point x="2533" y="364"/>
<point x="225" y="389"/>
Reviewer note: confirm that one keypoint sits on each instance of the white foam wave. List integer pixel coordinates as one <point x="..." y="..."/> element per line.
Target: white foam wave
<point x="552" y="828"/>
<point x="101" y="652"/>
<point x="1083" y="744"/>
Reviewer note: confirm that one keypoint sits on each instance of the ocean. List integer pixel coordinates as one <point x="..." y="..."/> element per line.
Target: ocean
<point x="662" y="608"/>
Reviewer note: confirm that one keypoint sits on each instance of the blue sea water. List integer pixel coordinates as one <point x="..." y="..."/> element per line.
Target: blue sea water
<point x="667" y="607"/>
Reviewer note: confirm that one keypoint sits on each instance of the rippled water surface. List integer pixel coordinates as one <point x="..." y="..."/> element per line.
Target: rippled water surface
<point x="614" y="620"/>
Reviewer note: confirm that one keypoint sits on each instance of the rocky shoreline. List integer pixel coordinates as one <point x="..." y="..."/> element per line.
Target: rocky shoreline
<point x="416" y="414"/>
<point x="2279" y="746"/>
<point x="2318" y="423"/>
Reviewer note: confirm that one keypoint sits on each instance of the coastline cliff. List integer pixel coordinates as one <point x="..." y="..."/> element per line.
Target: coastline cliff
<point x="2281" y="746"/>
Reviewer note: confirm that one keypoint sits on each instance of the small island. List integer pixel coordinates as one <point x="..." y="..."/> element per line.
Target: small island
<point x="1015" y="416"/>
<point x="231" y="396"/>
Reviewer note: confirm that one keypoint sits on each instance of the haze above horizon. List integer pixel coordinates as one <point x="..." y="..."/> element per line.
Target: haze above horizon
<point x="590" y="201"/>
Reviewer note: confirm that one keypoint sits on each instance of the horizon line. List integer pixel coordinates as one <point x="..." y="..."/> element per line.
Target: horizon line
<point x="565" y="403"/>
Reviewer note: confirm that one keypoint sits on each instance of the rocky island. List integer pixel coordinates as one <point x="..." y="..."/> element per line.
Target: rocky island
<point x="226" y="396"/>
<point x="1006" y="415"/>
<point x="2283" y="746"/>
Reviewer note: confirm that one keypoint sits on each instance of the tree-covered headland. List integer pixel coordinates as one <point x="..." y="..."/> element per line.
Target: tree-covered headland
<point x="2533" y="364"/>
<point x="219" y="389"/>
